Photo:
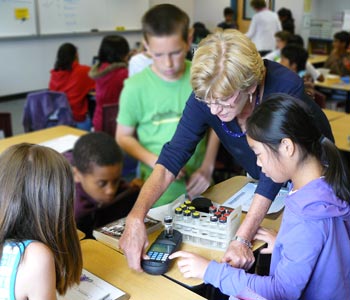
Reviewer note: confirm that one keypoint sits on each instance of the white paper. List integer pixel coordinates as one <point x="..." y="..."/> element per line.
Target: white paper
<point x="245" y="195"/>
<point x="62" y="144"/>
<point x="92" y="287"/>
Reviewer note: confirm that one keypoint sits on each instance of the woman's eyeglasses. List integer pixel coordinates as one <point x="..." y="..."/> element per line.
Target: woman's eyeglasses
<point x="215" y="102"/>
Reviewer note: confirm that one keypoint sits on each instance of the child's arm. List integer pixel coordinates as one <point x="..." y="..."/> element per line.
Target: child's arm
<point x="191" y="265"/>
<point x="36" y="277"/>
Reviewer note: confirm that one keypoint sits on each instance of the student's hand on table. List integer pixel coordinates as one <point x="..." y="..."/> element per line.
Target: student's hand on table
<point x="198" y="183"/>
<point x="190" y="264"/>
<point x="268" y="236"/>
<point x="239" y="255"/>
<point x="134" y="242"/>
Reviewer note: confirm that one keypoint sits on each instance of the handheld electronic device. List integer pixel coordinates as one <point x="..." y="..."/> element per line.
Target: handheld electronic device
<point x="159" y="252"/>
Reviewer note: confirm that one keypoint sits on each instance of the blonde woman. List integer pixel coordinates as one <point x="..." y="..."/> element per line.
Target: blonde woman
<point x="229" y="80"/>
<point x="39" y="247"/>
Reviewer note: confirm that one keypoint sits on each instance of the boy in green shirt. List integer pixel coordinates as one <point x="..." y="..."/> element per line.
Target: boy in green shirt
<point x="152" y="102"/>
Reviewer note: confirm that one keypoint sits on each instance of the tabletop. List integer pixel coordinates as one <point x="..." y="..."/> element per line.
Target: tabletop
<point x="39" y="136"/>
<point x="341" y="132"/>
<point x="111" y="266"/>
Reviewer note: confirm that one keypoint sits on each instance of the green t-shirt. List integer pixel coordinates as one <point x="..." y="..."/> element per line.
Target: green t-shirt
<point x="154" y="107"/>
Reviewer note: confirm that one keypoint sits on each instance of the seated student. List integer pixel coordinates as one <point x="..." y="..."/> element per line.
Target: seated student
<point x="310" y="254"/>
<point x="229" y="22"/>
<point x="102" y="196"/>
<point x="284" y="38"/>
<point x="71" y="78"/>
<point x="294" y="58"/>
<point x="199" y="33"/>
<point x="281" y="38"/>
<point x="339" y="60"/>
<point x="109" y="74"/>
<point x="39" y="246"/>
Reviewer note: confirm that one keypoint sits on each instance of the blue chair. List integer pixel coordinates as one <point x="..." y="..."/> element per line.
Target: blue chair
<point x="46" y="109"/>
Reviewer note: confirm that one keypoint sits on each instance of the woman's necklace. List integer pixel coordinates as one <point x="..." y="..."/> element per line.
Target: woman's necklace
<point x="235" y="134"/>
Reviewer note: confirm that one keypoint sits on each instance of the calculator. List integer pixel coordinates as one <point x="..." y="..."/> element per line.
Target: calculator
<point x="159" y="252"/>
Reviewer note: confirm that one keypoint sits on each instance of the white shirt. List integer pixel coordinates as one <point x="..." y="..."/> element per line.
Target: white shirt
<point x="262" y="29"/>
<point x="138" y="62"/>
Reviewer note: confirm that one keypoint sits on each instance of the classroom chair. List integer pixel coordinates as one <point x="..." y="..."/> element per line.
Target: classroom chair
<point x="5" y="125"/>
<point x="46" y="109"/>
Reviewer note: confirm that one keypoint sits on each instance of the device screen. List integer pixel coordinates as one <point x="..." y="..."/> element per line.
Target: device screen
<point x="161" y="248"/>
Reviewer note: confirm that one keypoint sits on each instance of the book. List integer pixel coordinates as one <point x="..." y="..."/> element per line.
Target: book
<point x="111" y="233"/>
<point x="92" y="287"/>
<point x="245" y="195"/>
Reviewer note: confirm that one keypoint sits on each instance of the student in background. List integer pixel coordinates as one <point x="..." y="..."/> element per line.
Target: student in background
<point x="109" y="73"/>
<point x="229" y="21"/>
<point x="71" y="78"/>
<point x="294" y="58"/>
<point x="281" y="38"/>
<point x="229" y="80"/>
<point x="39" y="246"/>
<point x="101" y="195"/>
<point x="139" y="61"/>
<point x="265" y="23"/>
<point x="152" y="102"/>
<point x="199" y="33"/>
<point x="339" y="60"/>
<point x="310" y="254"/>
<point x="286" y="19"/>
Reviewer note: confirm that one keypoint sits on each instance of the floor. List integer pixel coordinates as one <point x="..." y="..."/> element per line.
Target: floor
<point x="15" y="107"/>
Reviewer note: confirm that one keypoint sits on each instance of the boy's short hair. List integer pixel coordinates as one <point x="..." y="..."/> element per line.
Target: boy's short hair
<point x="96" y="148"/>
<point x="165" y="20"/>
<point x="228" y="11"/>
<point x="343" y="37"/>
<point x="295" y="54"/>
<point x="296" y="39"/>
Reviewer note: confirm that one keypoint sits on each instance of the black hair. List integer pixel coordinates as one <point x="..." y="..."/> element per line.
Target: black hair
<point x="258" y="4"/>
<point x="200" y="32"/>
<point x="283" y="116"/>
<point x="296" y="55"/>
<point x="343" y="37"/>
<point x="165" y="20"/>
<point x="286" y="18"/>
<point x="296" y="39"/>
<point x="66" y="55"/>
<point x="228" y="11"/>
<point x="96" y="148"/>
<point x="113" y="48"/>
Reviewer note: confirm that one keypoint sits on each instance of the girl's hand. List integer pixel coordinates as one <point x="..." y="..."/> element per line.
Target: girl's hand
<point x="190" y="265"/>
<point x="268" y="236"/>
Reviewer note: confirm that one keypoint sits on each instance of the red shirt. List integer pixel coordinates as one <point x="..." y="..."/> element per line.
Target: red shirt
<point x="108" y="89"/>
<point x="76" y="84"/>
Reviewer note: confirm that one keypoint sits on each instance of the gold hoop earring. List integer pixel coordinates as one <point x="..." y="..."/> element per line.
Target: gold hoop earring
<point x="250" y="97"/>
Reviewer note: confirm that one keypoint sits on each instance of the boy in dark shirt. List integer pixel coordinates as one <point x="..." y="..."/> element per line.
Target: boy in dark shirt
<point x="102" y="196"/>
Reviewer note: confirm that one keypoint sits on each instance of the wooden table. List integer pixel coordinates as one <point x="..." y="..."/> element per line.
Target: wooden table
<point x="111" y="266"/>
<point x="333" y="114"/>
<point x="341" y="132"/>
<point x="337" y="86"/>
<point x="37" y="137"/>
<point x="317" y="59"/>
<point x="219" y="193"/>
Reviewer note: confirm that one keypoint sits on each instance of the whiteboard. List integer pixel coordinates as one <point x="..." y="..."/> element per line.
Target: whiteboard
<point x="17" y="18"/>
<point x="76" y="16"/>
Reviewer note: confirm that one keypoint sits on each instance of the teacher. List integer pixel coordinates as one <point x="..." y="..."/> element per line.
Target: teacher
<point x="229" y="79"/>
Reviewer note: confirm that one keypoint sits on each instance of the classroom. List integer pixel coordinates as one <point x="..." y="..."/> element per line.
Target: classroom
<point x="208" y="191"/>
